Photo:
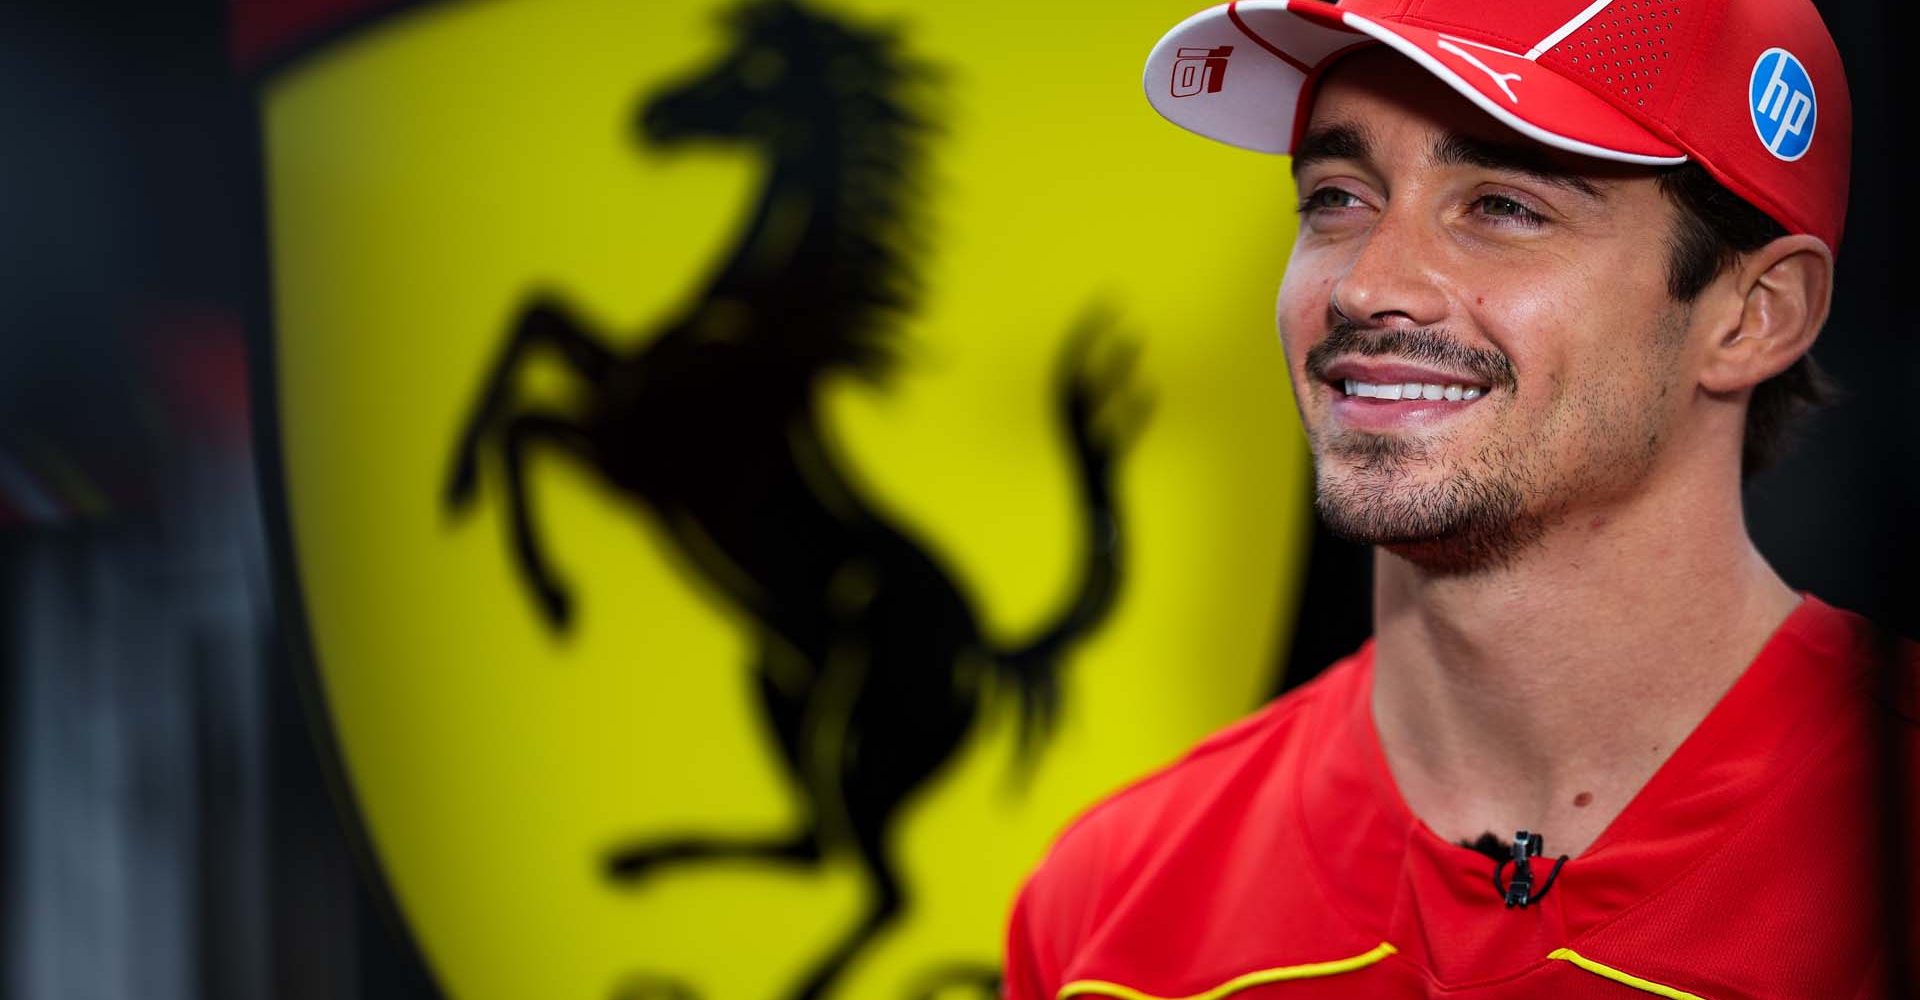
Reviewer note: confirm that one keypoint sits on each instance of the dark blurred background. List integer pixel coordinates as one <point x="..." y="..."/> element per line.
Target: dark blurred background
<point x="170" y="828"/>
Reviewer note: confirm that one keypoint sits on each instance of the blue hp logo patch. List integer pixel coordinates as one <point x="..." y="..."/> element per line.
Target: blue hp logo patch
<point x="1781" y="98"/>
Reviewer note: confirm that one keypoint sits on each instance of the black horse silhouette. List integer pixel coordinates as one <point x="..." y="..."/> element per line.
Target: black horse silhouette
<point x="871" y="666"/>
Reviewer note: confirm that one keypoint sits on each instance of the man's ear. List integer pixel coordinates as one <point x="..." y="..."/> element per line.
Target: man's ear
<point x="1785" y="289"/>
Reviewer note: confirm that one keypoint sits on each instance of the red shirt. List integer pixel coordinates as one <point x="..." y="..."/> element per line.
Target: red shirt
<point x="1277" y="860"/>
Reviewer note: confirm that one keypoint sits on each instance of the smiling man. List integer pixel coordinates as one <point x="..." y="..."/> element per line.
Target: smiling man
<point x="1559" y="266"/>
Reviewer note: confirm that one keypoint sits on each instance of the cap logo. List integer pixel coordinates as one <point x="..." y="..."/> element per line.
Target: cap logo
<point x="1780" y="95"/>
<point x="1200" y="71"/>
<point x="1499" y="79"/>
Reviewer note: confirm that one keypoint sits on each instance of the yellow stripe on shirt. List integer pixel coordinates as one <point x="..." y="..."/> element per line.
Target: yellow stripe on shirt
<point x="1647" y="985"/>
<point x="1311" y="970"/>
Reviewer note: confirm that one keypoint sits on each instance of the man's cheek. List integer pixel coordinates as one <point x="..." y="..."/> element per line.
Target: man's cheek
<point x="1294" y="320"/>
<point x="1294" y="353"/>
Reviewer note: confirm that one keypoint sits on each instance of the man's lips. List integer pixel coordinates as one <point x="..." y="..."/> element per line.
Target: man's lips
<point x="1378" y="372"/>
<point x="1382" y="396"/>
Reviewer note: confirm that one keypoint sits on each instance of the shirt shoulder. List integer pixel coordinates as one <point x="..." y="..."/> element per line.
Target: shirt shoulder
<point x="1781" y="858"/>
<point x="1887" y="663"/>
<point x="1117" y="842"/>
<point x="1135" y="817"/>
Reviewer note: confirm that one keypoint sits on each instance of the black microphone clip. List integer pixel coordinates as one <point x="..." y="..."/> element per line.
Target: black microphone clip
<point x="1519" y="892"/>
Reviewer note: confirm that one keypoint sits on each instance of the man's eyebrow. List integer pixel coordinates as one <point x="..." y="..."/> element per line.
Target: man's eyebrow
<point x="1340" y="141"/>
<point x="1454" y="149"/>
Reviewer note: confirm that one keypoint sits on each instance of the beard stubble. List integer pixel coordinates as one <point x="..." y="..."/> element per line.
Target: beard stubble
<point x="1487" y="507"/>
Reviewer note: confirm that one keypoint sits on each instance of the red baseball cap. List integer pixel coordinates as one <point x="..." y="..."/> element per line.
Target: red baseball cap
<point x="1752" y="90"/>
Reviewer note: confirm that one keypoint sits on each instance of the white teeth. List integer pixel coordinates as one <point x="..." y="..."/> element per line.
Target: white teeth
<point x="1412" y="390"/>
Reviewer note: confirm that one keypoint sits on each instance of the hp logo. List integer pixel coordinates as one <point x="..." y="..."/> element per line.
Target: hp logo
<point x="1780" y="95"/>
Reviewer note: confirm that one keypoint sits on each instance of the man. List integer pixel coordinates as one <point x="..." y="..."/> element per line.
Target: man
<point x="1558" y="268"/>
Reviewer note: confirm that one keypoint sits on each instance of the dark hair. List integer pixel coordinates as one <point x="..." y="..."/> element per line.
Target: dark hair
<point x="1714" y="228"/>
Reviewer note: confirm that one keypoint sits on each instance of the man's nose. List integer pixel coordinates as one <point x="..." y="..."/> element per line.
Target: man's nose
<point x="1390" y="281"/>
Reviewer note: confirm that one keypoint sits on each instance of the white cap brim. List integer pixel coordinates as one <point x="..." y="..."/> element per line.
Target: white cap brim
<point x="1244" y="73"/>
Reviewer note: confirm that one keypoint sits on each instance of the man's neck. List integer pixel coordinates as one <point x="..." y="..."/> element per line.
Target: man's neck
<point x="1544" y="694"/>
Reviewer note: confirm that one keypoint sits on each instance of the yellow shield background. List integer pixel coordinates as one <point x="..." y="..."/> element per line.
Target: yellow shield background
<point x="429" y="171"/>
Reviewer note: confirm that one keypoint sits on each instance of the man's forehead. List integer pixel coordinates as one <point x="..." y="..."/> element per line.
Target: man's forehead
<point x="1371" y="98"/>
<point x="1350" y="140"/>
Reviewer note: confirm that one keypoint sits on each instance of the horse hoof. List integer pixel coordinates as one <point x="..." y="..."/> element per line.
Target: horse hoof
<point x="629" y="867"/>
<point x="558" y="608"/>
<point x="462" y="485"/>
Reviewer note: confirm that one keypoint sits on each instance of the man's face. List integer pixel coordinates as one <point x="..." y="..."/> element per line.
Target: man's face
<point x="1442" y="254"/>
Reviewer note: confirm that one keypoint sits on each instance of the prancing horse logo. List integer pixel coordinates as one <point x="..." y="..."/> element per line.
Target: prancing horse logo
<point x="871" y="665"/>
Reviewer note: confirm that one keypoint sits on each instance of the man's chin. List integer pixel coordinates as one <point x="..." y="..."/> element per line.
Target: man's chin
<point x="1357" y="453"/>
<point x="1449" y="525"/>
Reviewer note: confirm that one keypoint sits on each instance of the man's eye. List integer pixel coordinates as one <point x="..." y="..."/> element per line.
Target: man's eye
<point x="1508" y="209"/>
<point x="1328" y="197"/>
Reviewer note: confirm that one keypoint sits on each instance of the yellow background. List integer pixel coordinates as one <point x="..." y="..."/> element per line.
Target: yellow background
<point x="428" y="173"/>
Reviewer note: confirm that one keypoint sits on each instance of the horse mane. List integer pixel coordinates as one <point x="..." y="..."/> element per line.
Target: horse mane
<point x="881" y="123"/>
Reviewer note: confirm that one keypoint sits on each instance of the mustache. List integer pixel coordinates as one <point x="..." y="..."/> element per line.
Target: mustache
<point x="1425" y="346"/>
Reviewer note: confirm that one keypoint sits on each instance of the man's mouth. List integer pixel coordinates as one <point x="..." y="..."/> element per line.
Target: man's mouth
<point x="1450" y="391"/>
<point x="1393" y="381"/>
<point x="1390" y="396"/>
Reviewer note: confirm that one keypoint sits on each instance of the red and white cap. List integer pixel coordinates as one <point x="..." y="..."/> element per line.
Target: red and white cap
<point x="1752" y="90"/>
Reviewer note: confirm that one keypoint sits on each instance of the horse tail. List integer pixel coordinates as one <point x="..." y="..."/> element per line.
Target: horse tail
<point x="1101" y="412"/>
